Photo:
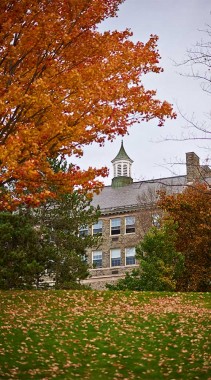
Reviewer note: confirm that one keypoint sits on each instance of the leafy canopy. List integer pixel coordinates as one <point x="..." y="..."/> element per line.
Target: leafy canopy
<point x="25" y="251"/>
<point x="191" y="211"/>
<point x="160" y="264"/>
<point x="46" y="241"/>
<point x="64" y="85"/>
<point x="63" y="219"/>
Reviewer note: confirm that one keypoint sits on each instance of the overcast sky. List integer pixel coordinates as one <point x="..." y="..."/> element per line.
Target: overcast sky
<point x="178" y="24"/>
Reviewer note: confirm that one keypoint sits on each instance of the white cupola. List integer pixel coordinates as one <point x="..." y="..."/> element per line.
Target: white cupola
<point x="122" y="168"/>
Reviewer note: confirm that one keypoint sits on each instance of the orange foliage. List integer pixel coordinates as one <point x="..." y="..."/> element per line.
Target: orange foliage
<point x="63" y="85"/>
<point x="191" y="210"/>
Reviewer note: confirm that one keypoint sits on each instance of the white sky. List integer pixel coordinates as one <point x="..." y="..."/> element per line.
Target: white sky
<point x="178" y="24"/>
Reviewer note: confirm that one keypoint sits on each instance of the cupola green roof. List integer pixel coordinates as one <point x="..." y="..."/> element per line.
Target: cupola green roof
<point x="122" y="155"/>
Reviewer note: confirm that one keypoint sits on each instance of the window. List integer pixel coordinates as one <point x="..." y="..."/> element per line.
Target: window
<point x="130" y="256"/>
<point x="119" y="170"/>
<point x="97" y="259"/>
<point x="125" y="170"/>
<point x="84" y="258"/>
<point x="97" y="228"/>
<point x="83" y="231"/>
<point x="115" y="226"/>
<point x="156" y="220"/>
<point x="129" y="224"/>
<point x="115" y="257"/>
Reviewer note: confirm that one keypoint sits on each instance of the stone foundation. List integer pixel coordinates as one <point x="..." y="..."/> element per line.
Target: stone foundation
<point x="100" y="277"/>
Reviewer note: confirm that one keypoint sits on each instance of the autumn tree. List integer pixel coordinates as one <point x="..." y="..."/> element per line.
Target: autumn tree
<point x="64" y="85"/>
<point x="191" y="211"/>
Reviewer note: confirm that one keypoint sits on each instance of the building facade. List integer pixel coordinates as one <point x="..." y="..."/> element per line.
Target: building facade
<point x="128" y="210"/>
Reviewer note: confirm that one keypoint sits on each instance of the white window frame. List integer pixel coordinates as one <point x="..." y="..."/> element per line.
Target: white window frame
<point x="100" y="254"/>
<point x="115" y="251"/>
<point x="133" y="225"/>
<point x="118" y="225"/>
<point x="97" y="226"/>
<point x="128" y="254"/>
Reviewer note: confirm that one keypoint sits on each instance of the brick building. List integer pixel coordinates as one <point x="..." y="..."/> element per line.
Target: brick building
<point x="127" y="211"/>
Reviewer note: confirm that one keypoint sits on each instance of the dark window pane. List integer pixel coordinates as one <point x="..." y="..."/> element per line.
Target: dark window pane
<point x="116" y="262"/>
<point x="83" y="231"/>
<point x="97" y="263"/>
<point x="130" y="260"/>
<point x="130" y="229"/>
<point x="115" y="230"/>
<point x="97" y="231"/>
<point x="115" y="226"/>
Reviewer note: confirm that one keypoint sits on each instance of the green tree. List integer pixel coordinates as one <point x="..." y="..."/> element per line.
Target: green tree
<point x="159" y="263"/>
<point x="46" y="241"/>
<point x="63" y="219"/>
<point x="25" y="251"/>
<point x="130" y="282"/>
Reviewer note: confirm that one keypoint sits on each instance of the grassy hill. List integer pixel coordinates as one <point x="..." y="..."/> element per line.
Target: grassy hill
<point x="104" y="335"/>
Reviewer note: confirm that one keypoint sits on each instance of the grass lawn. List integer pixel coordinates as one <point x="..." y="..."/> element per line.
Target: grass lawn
<point x="104" y="335"/>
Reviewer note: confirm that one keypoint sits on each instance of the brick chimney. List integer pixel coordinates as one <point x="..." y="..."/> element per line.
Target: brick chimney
<point x="192" y="167"/>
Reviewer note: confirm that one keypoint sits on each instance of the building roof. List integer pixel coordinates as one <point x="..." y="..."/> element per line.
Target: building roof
<point x="122" y="155"/>
<point x="130" y="197"/>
